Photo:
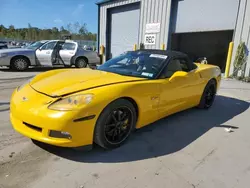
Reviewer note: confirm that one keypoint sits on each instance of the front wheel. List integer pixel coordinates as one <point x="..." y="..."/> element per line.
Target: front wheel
<point x="208" y="95"/>
<point x="115" y="124"/>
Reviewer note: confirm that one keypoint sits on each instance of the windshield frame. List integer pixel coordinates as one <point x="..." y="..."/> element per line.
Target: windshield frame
<point x="133" y="74"/>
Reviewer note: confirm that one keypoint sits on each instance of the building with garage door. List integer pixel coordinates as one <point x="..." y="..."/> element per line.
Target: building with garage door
<point x="200" y="28"/>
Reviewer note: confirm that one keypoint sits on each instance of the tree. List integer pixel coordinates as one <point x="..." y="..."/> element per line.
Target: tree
<point x="69" y="28"/>
<point x="11" y="28"/>
<point x="78" y="32"/>
<point x="29" y="33"/>
<point x="55" y="33"/>
<point x="76" y="27"/>
<point x="83" y="29"/>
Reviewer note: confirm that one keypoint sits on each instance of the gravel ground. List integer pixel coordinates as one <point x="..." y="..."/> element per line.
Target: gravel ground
<point x="189" y="149"/>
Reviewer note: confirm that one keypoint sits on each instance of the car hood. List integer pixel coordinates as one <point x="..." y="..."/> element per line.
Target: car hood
<point x="16" y="50"/>
<point x="67" y="81"/>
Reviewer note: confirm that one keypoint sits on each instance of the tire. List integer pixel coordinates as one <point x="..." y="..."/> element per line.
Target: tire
<point x="112" y="131"/>
<point x="208" y="96"/>
<point x="19" y="64"/>
<point x="81" y="63"/>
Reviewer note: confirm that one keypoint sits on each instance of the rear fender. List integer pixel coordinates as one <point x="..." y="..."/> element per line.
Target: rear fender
<point x="212" y="72"/>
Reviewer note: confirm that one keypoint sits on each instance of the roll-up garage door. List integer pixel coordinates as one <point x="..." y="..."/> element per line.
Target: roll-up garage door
<point x="123" y="29"/>
<point x="203" y="15"/>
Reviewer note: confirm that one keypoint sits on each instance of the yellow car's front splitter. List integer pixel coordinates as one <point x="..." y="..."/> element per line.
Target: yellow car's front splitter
<point x="58" y="128"/>
<point x="80" y="135"/>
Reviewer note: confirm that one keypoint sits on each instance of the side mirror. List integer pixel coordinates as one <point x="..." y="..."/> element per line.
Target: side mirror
<point x="178" y="75"/>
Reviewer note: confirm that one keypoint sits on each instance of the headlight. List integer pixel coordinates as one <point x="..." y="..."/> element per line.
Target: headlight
<point x="72" y="102"/>
<point x="25" y="83"/>
<point x="3" y="55"/>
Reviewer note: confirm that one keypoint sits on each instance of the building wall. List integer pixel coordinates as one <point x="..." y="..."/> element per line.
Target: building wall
<point x="242" y="32"/>
<point x="103" y="17"/>
<point x="204" y="15"/>
<point x="155" y="11"/>
<point x="160" y="11"/>
<point x="151" y="11"/>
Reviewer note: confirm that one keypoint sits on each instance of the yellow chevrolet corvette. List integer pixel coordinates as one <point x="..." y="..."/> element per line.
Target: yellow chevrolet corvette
<point x="77" y="107"/>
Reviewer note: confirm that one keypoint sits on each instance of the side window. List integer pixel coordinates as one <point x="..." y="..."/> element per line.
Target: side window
<point x="173" y="66"/>
<point x="184" y="65"/>
<point x="69" y="46"/>
<point x="60" y="44"/>
<point x="49" y="46"/>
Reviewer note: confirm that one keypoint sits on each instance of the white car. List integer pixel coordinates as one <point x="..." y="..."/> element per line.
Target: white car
<point x="48" y="53"/>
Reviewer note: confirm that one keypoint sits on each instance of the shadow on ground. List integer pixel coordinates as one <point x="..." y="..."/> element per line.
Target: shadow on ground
<point x="163" y="137"/>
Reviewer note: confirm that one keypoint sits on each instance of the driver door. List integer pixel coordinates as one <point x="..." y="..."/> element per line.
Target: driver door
<point x="180" y="92"/>
<point x="44" y="53"/>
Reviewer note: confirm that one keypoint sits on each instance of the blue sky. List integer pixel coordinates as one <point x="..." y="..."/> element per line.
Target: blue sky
<point x="48" y="13"/>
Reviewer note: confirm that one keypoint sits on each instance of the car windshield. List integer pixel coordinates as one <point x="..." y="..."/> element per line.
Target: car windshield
<point x="136" y="64"/>
<point x="35" y="45"/>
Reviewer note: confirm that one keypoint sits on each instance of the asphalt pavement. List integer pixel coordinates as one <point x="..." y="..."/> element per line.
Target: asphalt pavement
<point x="192" y="149"/>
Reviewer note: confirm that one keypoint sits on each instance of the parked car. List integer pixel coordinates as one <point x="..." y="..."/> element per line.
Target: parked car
<point x="3" y="46"/>
<point x="72" y="108"/>
<point x="48" y="53"/>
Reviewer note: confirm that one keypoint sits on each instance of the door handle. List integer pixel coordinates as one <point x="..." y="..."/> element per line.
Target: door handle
<point x="47" y="52"/>
<point x="71" y="52"/>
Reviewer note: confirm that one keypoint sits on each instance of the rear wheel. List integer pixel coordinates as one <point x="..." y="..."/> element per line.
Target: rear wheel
<point x="115" y="124"/>
<point x="208" y="95"/>
<point x="81" y="63"/>
<point x="20" y="64"/>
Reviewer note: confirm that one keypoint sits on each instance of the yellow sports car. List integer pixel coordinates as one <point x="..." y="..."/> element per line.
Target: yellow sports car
<point x="72" y="108"/>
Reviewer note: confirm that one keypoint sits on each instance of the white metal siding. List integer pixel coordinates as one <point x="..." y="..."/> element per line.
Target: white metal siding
<point x="155" y="11"/>
<point x="242" y="32"/>
<point x="124" y="28"/>
<point x="204" y="15"/>
<point x="103" y="17"/>
<point x="151" y="11"/>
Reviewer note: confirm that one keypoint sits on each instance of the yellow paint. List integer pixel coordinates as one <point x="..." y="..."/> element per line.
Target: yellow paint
<point x="155" y="99"/>
<point x="102" y="53"/>
<point x="135" y="47"/>
<point x="229" y="59"/>
<point x="101" y="50"/>
<point x="163" y="47"/>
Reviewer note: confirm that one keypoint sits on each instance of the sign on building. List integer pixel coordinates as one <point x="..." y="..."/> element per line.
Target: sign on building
<point x="153" y="27"/>
<point x="149" y="39"/>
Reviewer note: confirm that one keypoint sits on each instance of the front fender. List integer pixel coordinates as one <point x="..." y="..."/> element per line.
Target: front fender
<point x="140" y="91"/>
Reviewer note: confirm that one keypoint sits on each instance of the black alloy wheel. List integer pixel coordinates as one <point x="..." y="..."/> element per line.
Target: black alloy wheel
<point x="118" y="125"/>
<point x="115" y="124"/>
<point x="209" y="96"/>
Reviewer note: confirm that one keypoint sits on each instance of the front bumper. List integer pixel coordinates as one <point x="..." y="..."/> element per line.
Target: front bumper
<point x="34" y="120"/>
